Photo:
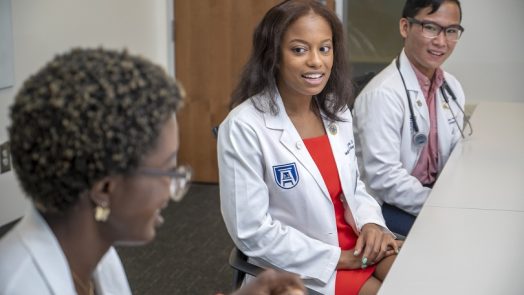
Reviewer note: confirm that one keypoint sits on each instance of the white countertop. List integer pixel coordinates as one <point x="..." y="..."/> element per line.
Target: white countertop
<point x="469" y="236"/>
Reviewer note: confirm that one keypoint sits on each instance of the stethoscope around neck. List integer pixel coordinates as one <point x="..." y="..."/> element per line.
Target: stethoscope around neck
<point x="420" y="138"/>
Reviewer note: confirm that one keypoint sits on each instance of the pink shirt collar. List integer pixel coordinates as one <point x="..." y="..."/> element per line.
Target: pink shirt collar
<point x="425" y="83"/>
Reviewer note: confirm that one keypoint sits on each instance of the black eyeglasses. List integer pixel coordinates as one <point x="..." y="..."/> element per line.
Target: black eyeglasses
<point x="431" y="30"/>
<point x="180" y="179"/>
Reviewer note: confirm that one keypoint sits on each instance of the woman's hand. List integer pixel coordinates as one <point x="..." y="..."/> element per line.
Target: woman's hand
<point x="274" y="283"/>
<point x="348" y="260"/>
<point x="373" y="244"/>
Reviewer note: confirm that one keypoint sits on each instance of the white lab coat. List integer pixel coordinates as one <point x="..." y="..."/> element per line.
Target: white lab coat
<point x="32" y="262"/>
<point x="385" y="146"/>
<point x="290" y="228"/>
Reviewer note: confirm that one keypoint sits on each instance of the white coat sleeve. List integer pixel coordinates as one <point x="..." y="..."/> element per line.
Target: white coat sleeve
<point x="368" y="209"/>
<point x="244" y="199"/>
<point x="379" y="117"/>
<point x="364" y="208"/>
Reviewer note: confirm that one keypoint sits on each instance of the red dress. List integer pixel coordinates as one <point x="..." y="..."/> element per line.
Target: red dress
<point x="351" y="280"/>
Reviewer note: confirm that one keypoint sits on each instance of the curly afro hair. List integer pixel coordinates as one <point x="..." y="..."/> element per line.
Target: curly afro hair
<point x="87" y="114"/>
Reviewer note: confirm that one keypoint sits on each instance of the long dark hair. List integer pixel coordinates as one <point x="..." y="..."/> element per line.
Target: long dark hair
<point x="260" y="72"/>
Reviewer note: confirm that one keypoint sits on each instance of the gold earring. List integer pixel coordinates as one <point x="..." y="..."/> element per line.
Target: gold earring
<point x="102" y="213"/>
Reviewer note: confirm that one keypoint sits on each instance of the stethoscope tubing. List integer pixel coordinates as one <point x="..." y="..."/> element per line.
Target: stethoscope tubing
<point x="418" y="137"/>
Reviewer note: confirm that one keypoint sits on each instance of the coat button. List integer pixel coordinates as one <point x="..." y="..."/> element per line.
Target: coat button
<point x="299" y="145"/>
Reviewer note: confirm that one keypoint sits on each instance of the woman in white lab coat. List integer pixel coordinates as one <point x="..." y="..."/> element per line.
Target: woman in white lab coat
<point x="279" y="204"/>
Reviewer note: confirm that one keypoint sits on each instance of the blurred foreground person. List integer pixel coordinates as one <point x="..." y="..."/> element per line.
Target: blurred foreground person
<point x="94" y="142"/>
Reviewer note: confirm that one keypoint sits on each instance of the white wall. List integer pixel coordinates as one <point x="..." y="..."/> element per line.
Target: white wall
<point x="488" y="60"/>
<point x="46" y="27"/>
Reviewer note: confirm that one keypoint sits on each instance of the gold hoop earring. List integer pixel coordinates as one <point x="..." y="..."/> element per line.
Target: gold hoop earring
<point x="102" y="213"/>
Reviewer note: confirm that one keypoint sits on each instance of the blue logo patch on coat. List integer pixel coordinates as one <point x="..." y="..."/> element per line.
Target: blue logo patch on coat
<point x="286" y="176"/>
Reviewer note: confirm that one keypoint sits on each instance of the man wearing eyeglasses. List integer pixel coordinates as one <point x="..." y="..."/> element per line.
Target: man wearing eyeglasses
<point x="410" y="116"/>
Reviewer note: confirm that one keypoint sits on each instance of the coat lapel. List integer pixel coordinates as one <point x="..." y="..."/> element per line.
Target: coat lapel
<point x="445" y="126"/>
<point x="418" y="101"/>
<point x="46" y="253"/>
<point x="291" y="140"/>
<point x="342" y="144"/>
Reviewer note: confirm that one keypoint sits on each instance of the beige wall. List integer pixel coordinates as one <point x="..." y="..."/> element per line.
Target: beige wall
<point x="43" y="28"/>
<point x="488" y="60"/>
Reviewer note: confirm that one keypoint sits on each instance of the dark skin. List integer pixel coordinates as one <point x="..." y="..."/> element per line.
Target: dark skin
<point x="380" y="245"/>
<point x="272" y="282"/>
<point x="133" y="220"/>
<point x="135" y="203"/>
<point x="81" y="238"/>
<point x="307" y="59"/>
<point x="82" y="248"/>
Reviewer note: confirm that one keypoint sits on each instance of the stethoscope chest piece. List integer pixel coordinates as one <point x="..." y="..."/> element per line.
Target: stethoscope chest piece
<point x="420" y="138"/>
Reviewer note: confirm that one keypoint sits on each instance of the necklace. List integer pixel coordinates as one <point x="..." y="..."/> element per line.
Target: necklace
<point x="85" y="289"/>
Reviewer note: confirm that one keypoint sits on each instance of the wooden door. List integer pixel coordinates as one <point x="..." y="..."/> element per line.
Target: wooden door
<point x="212" y="41"/>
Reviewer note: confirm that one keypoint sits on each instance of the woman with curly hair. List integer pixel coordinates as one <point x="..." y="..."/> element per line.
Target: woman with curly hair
<point x="93" y="139"/>
<point x="94" y="144"/>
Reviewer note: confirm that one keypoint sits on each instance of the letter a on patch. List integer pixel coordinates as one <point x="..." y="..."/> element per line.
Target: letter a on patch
<point x="286" y="176"/>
